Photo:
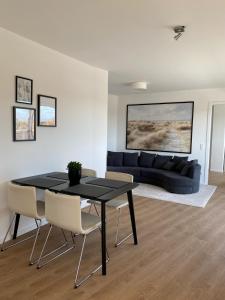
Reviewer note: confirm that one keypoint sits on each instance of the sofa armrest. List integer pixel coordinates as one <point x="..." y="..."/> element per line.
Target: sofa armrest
<point x="195" y="172"/>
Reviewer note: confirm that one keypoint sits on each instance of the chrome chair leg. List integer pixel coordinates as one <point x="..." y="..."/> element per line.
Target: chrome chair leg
<point x="79" y="262"/>
<point x="7" y="232"/>
<point x="89" y="211"/>
<point x="64" y="236"/>
<point x="39" y="264"/>
<point x="117" y="242"/>
<point x="15" y="243"/>
<point x="96" y="210"/>
<point x="76" y="282"/>
<point x="31" y="262"/>
<point x="43" y="248"/>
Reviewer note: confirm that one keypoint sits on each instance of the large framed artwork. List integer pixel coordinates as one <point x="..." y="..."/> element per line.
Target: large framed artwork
<point x="24" y="90"/>
<point x="163" y="127"/>
<point x="47" y="111"/>
<point x="24" y="124"/>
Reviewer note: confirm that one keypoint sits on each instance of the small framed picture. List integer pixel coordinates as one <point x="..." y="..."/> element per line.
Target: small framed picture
<point x="47" y="111"/>
<point x="24" y="90"/>
<point x="24" y="124"/>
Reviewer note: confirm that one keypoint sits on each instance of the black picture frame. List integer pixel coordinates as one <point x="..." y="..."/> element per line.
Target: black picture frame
<point x="43" y="120"/>
<point x="30" y="134"/>
<point x="24" y="90"/>
<point x="155" y="149"/>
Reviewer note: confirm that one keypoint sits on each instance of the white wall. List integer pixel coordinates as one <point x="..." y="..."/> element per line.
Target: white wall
<point x="112" y="122"/>
<point x="203" y="99"/>
<point x="218" y="138"/>
<point x="81" y="132"/>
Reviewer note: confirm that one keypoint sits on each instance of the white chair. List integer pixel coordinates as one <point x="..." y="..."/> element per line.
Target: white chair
<point x="117" y="203"/>
<point x="64" y="211"/>
<point x="22" y="200"/>
<point x="88" y="172"/>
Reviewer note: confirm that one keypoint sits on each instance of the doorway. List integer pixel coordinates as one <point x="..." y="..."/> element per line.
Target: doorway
<point x="217" y="145"/>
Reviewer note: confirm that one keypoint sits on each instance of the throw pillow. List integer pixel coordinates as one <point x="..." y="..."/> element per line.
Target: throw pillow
<point x="169" y="165"/>
<point x="160" y="160"/>
<point x="146" y="160"/>
<point x="187" y="167"/>
<point x="115" y="159"/>
<point x="130" y="159"/>
<point x="179" y="166"/>
<point x="178" y="159"/>
<point x="194" y="162"/>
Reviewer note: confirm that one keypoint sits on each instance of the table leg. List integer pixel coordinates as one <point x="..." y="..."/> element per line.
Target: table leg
<point x="132" y="216"/>
<point x="103" y="238"/>
<point x="16" y="226"/>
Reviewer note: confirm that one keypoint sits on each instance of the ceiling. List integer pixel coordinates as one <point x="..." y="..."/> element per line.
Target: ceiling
<point x="132" y="39"/>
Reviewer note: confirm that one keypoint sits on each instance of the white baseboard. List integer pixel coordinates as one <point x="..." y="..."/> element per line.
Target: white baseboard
<point x="216" y="170"/>
<point x="22" y="230"/>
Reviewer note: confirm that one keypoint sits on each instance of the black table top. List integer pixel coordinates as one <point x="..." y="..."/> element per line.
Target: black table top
<point x="99" y="189"/>
<point x="59" y="175"/>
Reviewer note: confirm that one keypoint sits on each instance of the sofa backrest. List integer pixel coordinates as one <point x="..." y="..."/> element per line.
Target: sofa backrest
<point x="179" y="164"/>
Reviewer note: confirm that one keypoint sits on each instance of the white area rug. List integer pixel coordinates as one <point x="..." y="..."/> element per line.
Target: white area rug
<point x="199" y="199"/>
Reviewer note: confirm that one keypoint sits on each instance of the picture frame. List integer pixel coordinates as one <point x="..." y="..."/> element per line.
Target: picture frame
<point x="24" y="90"/>
<point x="24" y="124"/>
<point x="47" y="111"/>
<point x="160" y="127"/>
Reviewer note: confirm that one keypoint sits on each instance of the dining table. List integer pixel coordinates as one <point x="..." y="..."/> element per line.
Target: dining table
<point x="94" y="188"/>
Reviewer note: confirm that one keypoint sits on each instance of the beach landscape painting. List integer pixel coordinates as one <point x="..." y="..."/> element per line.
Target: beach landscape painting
<point x="24" y="124"/>
<point x="165" y="127"/>
<point x="46" y="111"/>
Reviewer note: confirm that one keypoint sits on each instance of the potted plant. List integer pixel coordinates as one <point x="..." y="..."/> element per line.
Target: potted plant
<point x="74" y="172"/>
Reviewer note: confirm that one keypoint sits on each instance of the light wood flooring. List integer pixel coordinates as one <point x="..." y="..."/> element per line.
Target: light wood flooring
<point x="180" y="255"/>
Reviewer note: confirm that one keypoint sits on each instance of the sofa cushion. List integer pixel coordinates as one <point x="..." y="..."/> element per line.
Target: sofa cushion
<point x="169" y="165"/>
<point x="179" y="162"/>
<point x="167" y="177"/>
<point x="187" y="166"/>
<point x="179" y="166"/>
<point x="146" y="159"/>
<point x="160" y="160"/>
<point x="115" y="158"/>
<point x="154" y="173"/>
<point x="135" y="171"/>
<point x="177" y="159"/>
<point x="130" y="159"/>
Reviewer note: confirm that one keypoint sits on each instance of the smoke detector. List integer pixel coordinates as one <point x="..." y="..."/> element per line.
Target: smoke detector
<point x="139" y="85"/>
<point x="179" y="30"/>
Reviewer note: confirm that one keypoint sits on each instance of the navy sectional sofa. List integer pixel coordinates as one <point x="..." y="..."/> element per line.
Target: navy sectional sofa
<point x="175" y="174"/>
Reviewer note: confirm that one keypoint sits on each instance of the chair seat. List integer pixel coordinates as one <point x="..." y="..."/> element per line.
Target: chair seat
<point x="114" y="203"/>
<point x="117" y="203"/>
<point x="41" y="209"/>
<point x="89" y="222"/>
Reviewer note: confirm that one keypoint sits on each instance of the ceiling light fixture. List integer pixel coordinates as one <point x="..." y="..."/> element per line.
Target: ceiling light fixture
<point x="179" y="30"/>
<point x="139" y="85"/>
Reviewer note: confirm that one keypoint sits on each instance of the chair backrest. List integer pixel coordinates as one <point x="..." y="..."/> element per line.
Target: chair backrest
<point x="22" y="200"/>
<point x="119" y="176"/>
<point x="63" y="211"/>
<point x="88" y="172"/>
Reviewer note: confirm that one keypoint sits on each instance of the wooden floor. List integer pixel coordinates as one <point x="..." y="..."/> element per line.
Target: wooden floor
<point x="181" y="255"/>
